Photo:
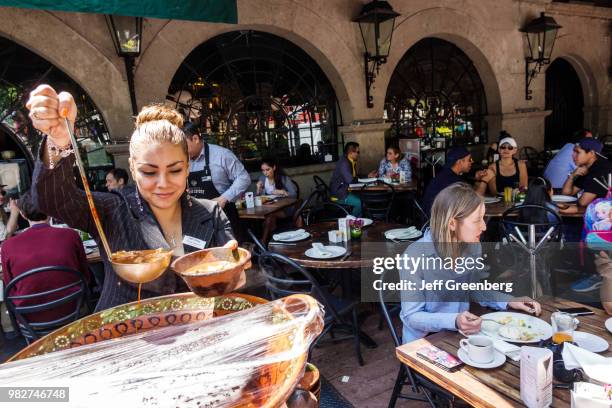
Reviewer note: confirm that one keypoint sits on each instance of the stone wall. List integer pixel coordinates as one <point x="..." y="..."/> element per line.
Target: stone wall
<point x="487" y="31"/>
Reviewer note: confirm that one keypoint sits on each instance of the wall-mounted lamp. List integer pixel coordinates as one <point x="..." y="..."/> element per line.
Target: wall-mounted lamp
<point x="126" y="33"/>
<point x="540" y="36"/>
<point x="376" y="23"/>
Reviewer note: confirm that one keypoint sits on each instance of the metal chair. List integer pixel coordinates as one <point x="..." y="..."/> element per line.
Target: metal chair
<point x="34" y="330"/>
<point x="377" y="204"/>
<point x="259" y="247"/>
<point x="325" y="211"/>
<point x="292" y="279"/>
<point x="405" y="375"/>
<point x="321" y="186"/>
<point x="528" y="227"/>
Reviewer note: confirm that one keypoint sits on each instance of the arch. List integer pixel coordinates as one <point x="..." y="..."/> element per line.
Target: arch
<point x="460" y="29"/>
<point x="564" y="97"/>
<point x="435" y="90"/>
<point x="331" y="52"/>
<point x="76" y="57"/>
<point x="258" y="93"/>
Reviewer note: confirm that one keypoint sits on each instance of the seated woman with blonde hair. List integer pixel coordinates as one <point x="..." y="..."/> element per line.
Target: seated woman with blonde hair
<point x="158" y="213"/>
<point x="456" y="225"/>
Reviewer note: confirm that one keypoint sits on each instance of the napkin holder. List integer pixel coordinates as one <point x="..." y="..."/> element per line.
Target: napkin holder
<point x="536" y="377"/>
<point x="586" y="395"/>
<point x="249" y="200"/>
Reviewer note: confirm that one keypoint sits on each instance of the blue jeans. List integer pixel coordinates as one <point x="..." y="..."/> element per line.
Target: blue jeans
<point x="354" y="201"/>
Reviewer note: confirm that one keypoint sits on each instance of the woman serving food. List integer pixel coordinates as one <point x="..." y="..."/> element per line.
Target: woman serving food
<point x="157" y="214"/>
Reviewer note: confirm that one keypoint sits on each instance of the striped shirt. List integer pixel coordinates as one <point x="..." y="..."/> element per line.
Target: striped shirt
<point x="128" y="223"/>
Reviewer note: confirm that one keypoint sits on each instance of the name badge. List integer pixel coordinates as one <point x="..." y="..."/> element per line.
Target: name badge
<point x="194" y="242"/>
<point x="206" y="178"/>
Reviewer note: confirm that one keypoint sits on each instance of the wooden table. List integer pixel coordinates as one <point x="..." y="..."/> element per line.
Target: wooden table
<point x="263" y="211"/>
<point x="498" y="387"/>
<point x="318" y="232"/>
<point x="399" y="188"/>
<point x="94" y="256"/>
<point x="497" y="210"/>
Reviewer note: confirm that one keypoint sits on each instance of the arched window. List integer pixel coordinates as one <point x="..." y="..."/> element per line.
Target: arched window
<point x="436" y="92"/>
<point x="259" y="95"/>
<point x="21" y="70"/>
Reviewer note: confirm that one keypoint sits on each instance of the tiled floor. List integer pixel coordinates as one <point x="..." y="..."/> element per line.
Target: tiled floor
<point x="369" y="386"/>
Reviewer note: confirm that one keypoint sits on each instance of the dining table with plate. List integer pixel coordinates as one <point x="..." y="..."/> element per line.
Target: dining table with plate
<point x="496" y="383"/>
<point x="496" y="206"/>
<point x="397" y="187"/>
<point x="270" y="205"/>
<point x="347" y="255"/>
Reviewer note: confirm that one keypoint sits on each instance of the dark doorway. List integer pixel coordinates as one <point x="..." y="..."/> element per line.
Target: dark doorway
<point x="564" y="98"/>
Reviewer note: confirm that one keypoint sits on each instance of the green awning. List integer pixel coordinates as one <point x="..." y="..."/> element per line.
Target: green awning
<point x="217" y="11"/>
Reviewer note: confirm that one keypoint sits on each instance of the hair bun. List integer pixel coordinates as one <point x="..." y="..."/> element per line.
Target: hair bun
<point x="156" y="112"/>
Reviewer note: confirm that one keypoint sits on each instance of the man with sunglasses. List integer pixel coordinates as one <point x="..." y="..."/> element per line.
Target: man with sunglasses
<point x="458" y="162"/>
<point x="591" y="166"/>
<point x="344" y="174"/>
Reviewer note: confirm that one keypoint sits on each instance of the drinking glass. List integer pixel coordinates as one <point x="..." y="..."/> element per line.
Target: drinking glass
<point x="563" y="325"/>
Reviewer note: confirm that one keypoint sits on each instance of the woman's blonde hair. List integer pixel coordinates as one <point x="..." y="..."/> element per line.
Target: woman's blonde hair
<point x="157" y="124"/>
<point x="456" y="201"/>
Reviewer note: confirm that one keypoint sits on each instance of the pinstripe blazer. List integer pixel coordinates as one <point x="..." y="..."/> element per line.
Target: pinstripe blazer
<point x="128" y="223"/>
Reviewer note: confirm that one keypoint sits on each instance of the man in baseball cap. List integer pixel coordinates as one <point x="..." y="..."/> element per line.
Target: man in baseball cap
<point x="458" y="162"/>
<point x="591" y="165"/>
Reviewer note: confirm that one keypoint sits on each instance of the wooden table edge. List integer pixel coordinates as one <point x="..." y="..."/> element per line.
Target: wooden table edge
<point x="274" y="208"/>
<point x="485" y="397"/>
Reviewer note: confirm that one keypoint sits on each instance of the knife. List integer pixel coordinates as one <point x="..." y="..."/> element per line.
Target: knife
<point x="349" y="253"/>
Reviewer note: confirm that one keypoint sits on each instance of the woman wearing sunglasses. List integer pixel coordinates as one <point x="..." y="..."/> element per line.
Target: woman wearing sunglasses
<point x="508" y="170"/>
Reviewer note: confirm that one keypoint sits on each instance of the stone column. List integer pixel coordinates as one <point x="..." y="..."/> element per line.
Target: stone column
<point x="371" y="139"/>
<point x="121" y="153"/>
<point x="527" y="127"/>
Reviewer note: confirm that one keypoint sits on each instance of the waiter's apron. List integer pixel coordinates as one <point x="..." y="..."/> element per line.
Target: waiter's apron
<point x="202" y="187"/>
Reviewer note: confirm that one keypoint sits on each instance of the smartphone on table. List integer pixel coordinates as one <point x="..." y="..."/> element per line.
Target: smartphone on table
<point x="439" y="358"/>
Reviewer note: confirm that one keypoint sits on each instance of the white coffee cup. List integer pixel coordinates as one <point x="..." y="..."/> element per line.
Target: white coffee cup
<point x="479" y="348"/>
<point x="258" y="202"/>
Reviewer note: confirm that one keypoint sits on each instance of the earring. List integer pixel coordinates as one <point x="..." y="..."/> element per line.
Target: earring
<point x="189" y="203"/>
<point x="138" y="201"/>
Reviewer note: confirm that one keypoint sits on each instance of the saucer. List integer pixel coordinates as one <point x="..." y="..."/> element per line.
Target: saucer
<point x="498" y="360"/>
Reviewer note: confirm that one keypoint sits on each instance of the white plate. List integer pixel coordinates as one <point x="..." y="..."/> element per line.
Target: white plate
<point x="491" y="200"/>
<point x="334" y="252"/>
<point x="367" y="180"/>
<point x="590" y="342"/>
<point x="90" y="243"/>
<point x="287" y="237"/>
<point x="356" y="185"/>
<point x="498" y="359"/>
<point x="563" y="199"/>
<point x="542" y="329"/>
<point x="399" y="233"/>
<point x="89" y="251"/>
<point x="609" y="324"/>
<point x="366" y="221"/>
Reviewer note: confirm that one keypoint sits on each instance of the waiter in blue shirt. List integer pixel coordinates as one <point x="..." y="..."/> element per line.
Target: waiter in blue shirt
<point x="215" y="173"/>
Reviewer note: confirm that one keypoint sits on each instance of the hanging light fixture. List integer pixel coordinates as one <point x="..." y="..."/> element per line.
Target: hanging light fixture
<point x="540" y="36"/>
<point x="126" y="33"/>
<point x="376" y="24"/>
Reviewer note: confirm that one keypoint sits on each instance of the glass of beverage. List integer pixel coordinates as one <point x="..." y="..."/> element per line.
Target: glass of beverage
<point x="563" y="325"/>
<point x="508" y="194"/>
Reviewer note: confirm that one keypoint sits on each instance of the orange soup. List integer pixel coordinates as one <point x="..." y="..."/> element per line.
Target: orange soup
<point x="208" y="267"/>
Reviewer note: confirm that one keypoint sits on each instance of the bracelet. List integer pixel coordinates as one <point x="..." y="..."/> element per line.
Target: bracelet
<point x="56" y="153"/>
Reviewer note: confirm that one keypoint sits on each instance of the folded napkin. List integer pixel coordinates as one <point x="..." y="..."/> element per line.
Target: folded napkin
<point x="510" y="350"/>
<point x="288" y="235"/>
<point x="319" y="249"/>
<point x="596" y="367"/>
<point x="404" y="233"/>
